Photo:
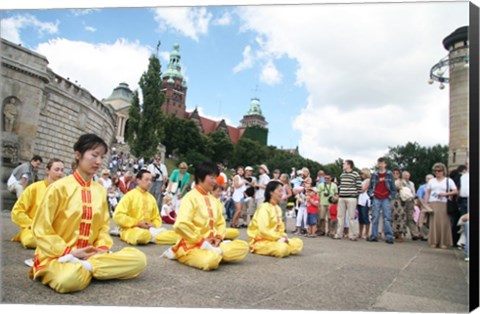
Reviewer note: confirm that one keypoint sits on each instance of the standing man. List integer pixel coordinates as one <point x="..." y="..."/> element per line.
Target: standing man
<point x="410" y="207"/>
<point x="350" y="189"/>
<point x="464" y="192"/>
<point x="160" y="175"/>
<point x="24" y="175"/>
<point x="325" y="190"/>
<point x="263" y="180"/>
<point x="382" y="190"/>
<point x="423" y="219"/>
<point x="249" y="205"/>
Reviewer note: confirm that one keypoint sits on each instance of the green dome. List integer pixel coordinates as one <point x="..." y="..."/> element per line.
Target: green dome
<point x="255" y="107"/>
<point x="122" y="91"/>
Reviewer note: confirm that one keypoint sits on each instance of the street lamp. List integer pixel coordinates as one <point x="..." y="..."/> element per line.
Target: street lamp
<point x="437" y="72"/>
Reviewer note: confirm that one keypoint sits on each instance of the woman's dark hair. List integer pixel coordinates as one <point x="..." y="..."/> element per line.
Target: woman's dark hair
<point x="51" y="161"/>
<point x="36" y="158"/>
<point x="87" y="142"/>
<point x="203" y="169"/>
<point x="140" y="173"/>
<point x="271" y="186"/>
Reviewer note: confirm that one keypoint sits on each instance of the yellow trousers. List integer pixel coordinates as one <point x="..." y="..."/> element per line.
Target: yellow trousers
<point x="26" y="238"/>
<point x="136" y="236"/>
<point x="70" y="277"/>
<point x="231" y="233"/>
<point x="277" y="249"/>
<point x="233" y="251"/>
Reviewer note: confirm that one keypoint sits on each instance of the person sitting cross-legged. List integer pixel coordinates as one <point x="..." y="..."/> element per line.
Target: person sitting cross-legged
<point x="266" y="231"/>
<point x="201" y="226"/>
<point x="138" y="218"/>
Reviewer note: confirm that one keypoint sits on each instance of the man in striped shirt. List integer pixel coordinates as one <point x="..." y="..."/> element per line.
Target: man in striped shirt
<point x="349" y="189"/>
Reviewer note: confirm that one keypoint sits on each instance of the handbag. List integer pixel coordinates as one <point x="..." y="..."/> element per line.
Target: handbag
<point x="406" y="194"/>
<point x="452" y="205"/>
<point x="174" y="187"/>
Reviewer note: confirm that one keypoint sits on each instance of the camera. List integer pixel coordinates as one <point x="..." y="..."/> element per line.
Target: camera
<point x="326" y="194"/>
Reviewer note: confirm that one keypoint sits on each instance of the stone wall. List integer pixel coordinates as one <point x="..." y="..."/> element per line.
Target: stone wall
<point x="49" y="111"/>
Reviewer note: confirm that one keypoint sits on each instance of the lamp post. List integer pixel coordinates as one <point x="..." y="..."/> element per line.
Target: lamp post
<point x="457" y="64"/>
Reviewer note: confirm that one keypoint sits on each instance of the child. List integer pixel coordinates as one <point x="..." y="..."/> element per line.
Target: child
<point x="312" y="212"/>
<point x="302" y="212"/>
<point x="332" y="212"/>
<point x="168" y="210"/>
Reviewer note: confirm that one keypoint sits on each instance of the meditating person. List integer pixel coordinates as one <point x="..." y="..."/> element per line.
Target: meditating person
<point x="138" y="218"/>
<point x="202" y="228"/>
<point x="266" y="231"/>
<point x="71" y="228"/>
<point x="26" y="206"/>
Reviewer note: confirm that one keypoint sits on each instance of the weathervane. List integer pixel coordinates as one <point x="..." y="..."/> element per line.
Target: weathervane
<point x="158" y="46"/>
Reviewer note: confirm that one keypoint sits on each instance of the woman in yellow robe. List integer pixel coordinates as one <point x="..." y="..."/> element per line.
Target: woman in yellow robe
<point x="26" y="206"/>
<point x="201" y="226"/>
<point x="71" y="228"/>
<point x="266" y="231"/>
<point x="138" y="218"/>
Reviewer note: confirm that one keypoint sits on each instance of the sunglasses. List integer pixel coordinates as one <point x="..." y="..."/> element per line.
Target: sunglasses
<point x="438" y="170"/>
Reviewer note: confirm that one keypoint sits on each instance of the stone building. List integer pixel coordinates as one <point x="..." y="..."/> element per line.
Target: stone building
<point x="120" y="100"/>
<point x="43" y="113"/>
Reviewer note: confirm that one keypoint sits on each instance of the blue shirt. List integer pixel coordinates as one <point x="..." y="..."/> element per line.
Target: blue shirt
<point x="422" y="190"/>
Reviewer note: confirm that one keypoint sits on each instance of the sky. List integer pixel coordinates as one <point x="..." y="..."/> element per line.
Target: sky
<point x="337" y="80"/>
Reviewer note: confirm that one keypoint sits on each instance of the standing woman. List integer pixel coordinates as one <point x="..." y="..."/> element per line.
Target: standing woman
<point x="179" y="181"/>
<point x="71" y="228"/>
<point x="286" y="194"/>
<point x="439" y="190"/>
<point x="266" y="231"/>
<point x="239" y="187"/>
<point x="364" y="204"/>
<point x="399" y="217"/>
<point x="26" y="206"/>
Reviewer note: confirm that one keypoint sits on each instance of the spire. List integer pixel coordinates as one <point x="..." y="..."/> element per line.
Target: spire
<point x="174" y="69"/>
<point x="255" y="107"/>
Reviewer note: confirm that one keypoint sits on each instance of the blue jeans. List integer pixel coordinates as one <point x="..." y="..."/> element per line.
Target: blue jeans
<point x="386" y="206"/>
<point x="463" y="205"/>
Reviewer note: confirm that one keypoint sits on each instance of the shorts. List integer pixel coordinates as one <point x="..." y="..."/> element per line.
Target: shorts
<point x="312" y="219"/>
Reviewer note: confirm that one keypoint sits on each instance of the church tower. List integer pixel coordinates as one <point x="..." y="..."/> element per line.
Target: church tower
<point x="174" y="86"/>
<point x="254" y="123"/>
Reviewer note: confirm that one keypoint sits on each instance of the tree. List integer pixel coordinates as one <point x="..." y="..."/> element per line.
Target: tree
<point x="249" y="152"/>
<point x="221" y="147"/>
<point x="145" y="129"/>
<point x="416" y="159"/>
<point x="256" y="133"/>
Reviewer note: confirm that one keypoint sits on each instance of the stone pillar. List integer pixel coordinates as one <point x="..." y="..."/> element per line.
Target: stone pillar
<point x="457" y="45"/>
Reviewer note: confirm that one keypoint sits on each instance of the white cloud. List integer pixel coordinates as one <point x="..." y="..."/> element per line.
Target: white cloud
<point x="12" y="26"/>
<point x="191" y="22"/>
<point x="121" y="61"/>
<point x="81" y="12"/>
<point x="90" y="29"/>
<point x="247" y="61"/>
<point x="270" y="75"/>
<point x="365" y="70"/>
<point x="224" y="20"/>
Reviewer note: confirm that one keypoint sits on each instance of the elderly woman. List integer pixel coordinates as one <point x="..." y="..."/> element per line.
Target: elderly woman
<point x="178" y="183"/>
<point x="399" y="217"/>
<point x="439" y="190"/>
<point x="266" y="231"/>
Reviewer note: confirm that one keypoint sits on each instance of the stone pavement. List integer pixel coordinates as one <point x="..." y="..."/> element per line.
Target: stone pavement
<point x="329" y="275"/>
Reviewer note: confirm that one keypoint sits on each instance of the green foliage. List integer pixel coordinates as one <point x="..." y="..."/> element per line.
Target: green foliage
<point x="257" y="134"/>
<point x="145" y="130"/>
<point x="248" y="152"/>
<point x="182" y="136"/>
<point x="416" y="159"/>
<point x="221" y="147"/>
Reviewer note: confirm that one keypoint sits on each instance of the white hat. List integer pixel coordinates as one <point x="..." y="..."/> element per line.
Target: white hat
<point x="248" y="168"/>
<point x="264" y="167"/>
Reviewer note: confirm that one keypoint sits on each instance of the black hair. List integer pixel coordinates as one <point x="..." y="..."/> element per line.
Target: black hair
<point x="350" y="162"/>
<point x="140" y="173"/>
<point x="36" y="158"/>
<point x="382" y="159"/>
<point x="51" y="161"/>
<point x="332" y="200"/>
<point x="461" y="168"/>
<point x="89" y="141"/>
<point x="205" y="168"/>
<point x="271" y="186"/>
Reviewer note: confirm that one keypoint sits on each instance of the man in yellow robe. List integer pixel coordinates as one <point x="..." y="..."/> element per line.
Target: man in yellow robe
<point x="266" y="229"/>
<point x="202" y="228"/>
<point x="138" y="218"/>
<point x="71" y="229"/>
<point x="26" y="206"/>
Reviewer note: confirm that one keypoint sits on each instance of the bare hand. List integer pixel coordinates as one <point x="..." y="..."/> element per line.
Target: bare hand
<point x="144" y="225"/>
<point x="85" y="253"/>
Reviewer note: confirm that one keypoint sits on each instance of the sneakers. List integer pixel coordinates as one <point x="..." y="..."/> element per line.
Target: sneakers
<point x="29" y="262"/>
<point x="115" y="232"/>
<point x="336" y="237"/>
<point x="372" y="239"/>
<point x="389" y="241"/>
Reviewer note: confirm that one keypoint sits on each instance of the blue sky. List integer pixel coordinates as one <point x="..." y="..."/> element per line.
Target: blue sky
<point x="337" y="80"/>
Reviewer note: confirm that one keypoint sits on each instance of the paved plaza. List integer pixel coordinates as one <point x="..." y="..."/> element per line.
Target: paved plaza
<point x="329" y="275"/>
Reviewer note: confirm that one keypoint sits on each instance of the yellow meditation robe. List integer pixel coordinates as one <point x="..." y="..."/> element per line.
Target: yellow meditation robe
<point x="200" y="219"/>
<point x="135" y="206"/>
<point x="73" y="214"/>
<point x="266" y="228"/>
<point x="24" y="210"/>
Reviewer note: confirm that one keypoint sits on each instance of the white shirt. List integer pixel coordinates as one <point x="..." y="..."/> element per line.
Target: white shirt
<point x="437" y="187"/>
<point x="154" y="171"/>
<point x="262" y="179"/>
<point x="464" y="185"/>
<point x="166" y="210"/>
